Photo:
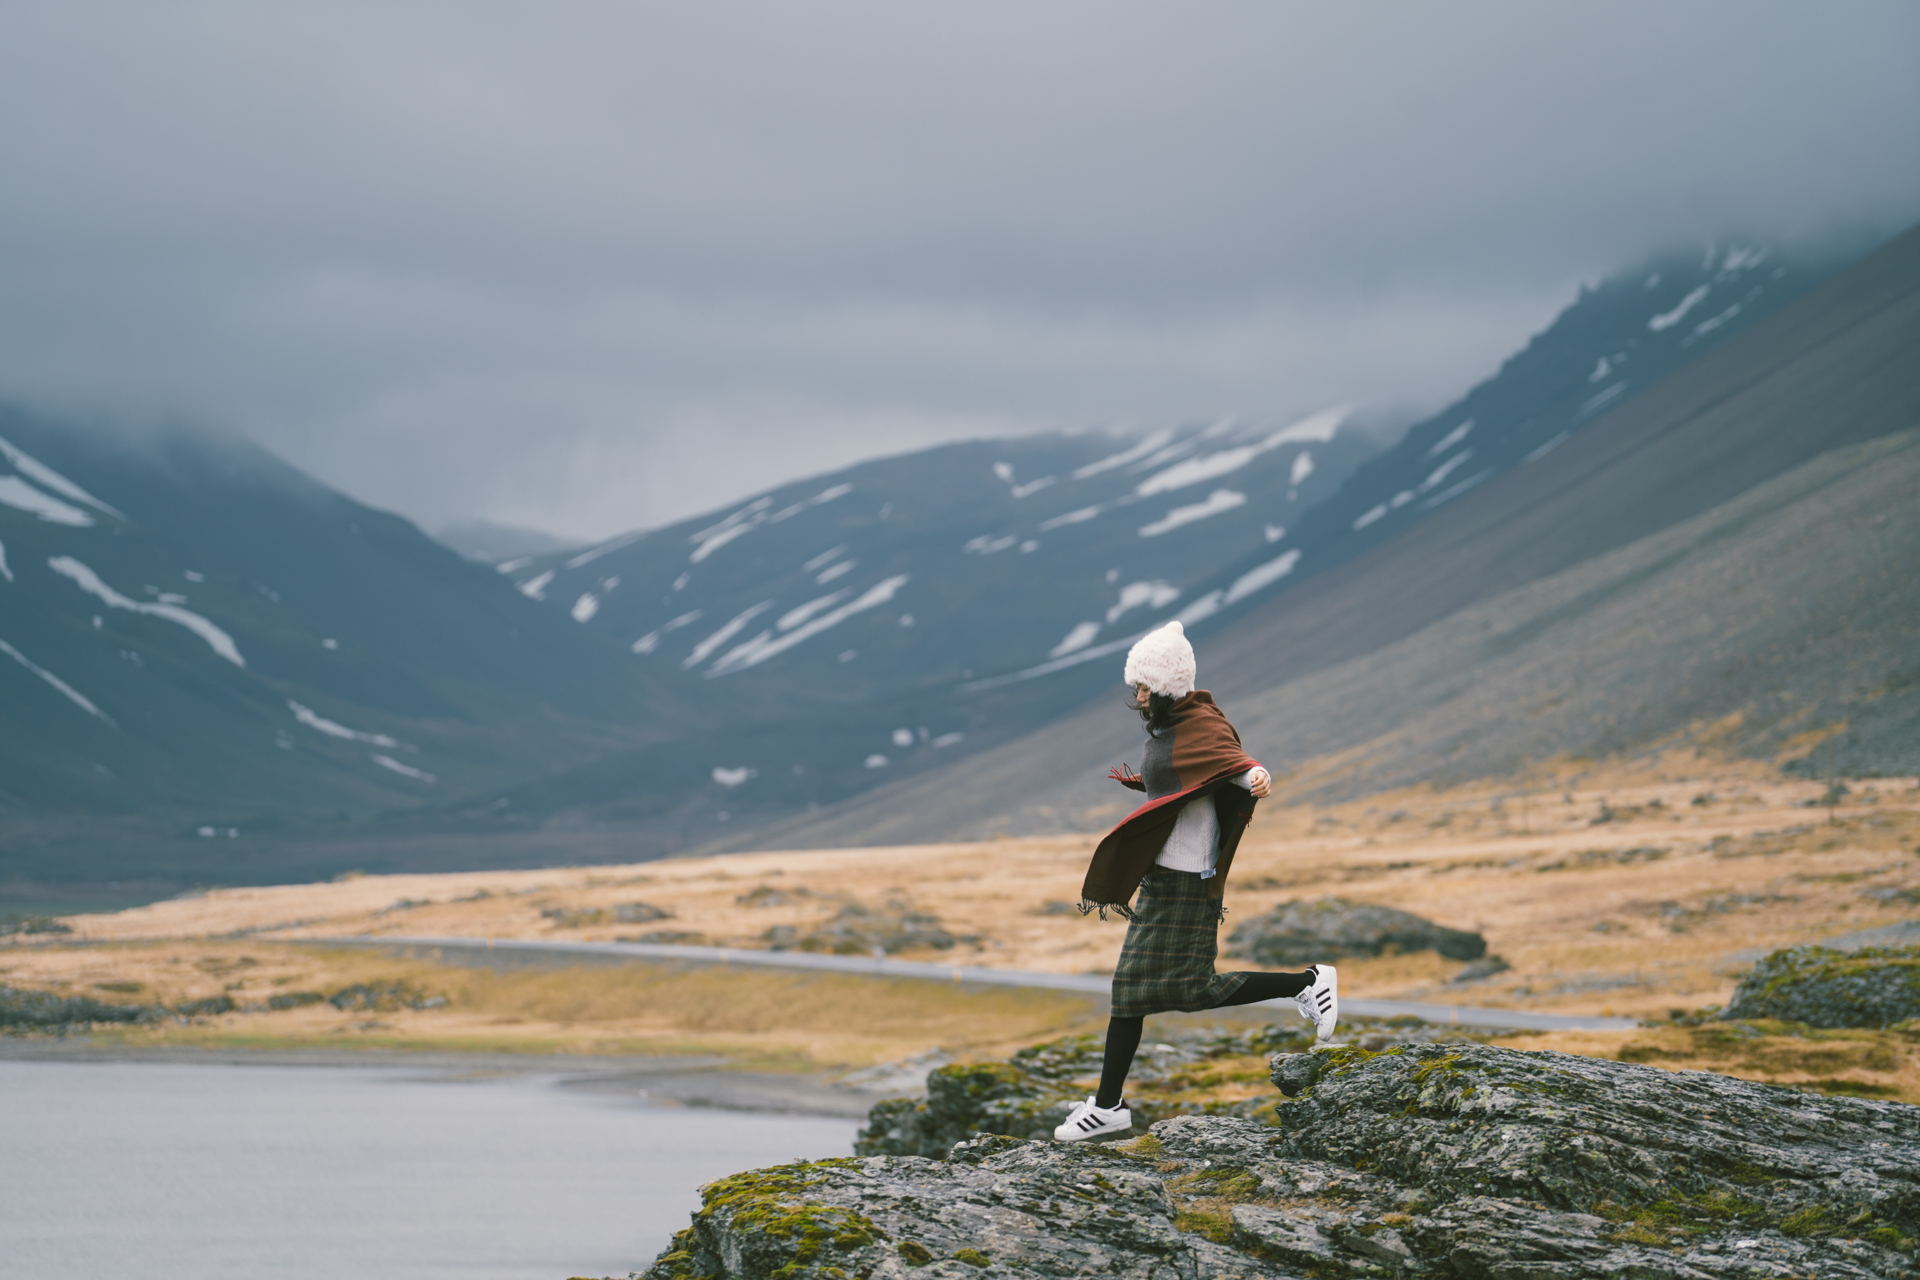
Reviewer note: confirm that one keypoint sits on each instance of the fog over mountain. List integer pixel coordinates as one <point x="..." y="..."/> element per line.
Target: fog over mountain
<point x="597" y="267"/>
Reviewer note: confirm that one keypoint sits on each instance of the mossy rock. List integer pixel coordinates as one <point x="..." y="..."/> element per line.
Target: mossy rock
<point x="1822" y="987"/>
<point x="1329" y="928"/>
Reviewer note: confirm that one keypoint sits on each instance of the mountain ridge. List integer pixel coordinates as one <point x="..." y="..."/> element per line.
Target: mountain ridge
<point x="1830" y="371"/>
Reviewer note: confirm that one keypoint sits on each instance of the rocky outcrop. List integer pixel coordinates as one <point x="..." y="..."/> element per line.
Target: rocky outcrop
<point x="1328" y="928"/>
<point x="1030" y="1095"/>
<point x="1428" y="1160"/>
<point x="1871" y="987"/>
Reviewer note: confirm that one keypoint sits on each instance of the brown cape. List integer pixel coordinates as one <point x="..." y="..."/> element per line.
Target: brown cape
<point x="1206" y="754"/>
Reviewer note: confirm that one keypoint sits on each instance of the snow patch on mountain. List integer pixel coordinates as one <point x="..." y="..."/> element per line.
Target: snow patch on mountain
<point x="724" y="634"/>
<point x="1155" y="441"/>
<point x="535" y="588"/>
<point x="1316" y="429"/>
<point x="21" y="496"/>
<point x="72" y="694"/>
<point x="585" y="607"/>
<point x="89" y="581"/>
<point x="1667" y="319"/>
<point x="799" y="614"/>
<point x="404" y="770"/>
<point x="4" y="571"/>
<point x="1135" y="595"/>
<point x="1707" y="326"/>
<point x="1218" y="501"/>
<point x="1079" y="638"/>
<point x="651" y="641"/>
<point x="31" y="467"/>
<point x="334" y="729"/>
<point x="1445" y="469"/>
<point x="824" y="558"/>
<point x="1264" y="575"/>
<point x="591" y="553"/>
<point x="1078" y="516"/>
<point x="1454" y="437"/>
<point x="738" y="525"/>
<point x="765" y="645"/>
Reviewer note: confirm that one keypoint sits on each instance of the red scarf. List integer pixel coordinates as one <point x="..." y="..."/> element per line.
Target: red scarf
<point x="1206" y="754"/>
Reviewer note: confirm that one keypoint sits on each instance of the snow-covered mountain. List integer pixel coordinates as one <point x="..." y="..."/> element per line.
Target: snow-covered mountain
<point x="1612" y="342"/>
<point x="1725" y="560"/>
<point x="196" y="638"/>
<point x="986" y="563"/>
<point x="930" y="570"/>
<point x="875" y="623"/>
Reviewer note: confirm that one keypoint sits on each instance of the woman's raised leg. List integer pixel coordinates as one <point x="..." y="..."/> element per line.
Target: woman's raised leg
<point x="1316" y="992"/>
<point x="1269" y="986"/>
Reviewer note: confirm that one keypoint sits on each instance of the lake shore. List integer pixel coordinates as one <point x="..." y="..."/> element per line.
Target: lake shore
<point x="1631" y="891"/>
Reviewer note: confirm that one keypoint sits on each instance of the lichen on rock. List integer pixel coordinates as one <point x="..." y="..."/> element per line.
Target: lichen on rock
<point x="1420" y="1160"/>
<point x="1822" y="987"/>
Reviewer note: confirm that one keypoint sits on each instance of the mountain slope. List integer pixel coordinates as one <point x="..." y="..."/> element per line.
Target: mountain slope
<point x="921" y="571"/>
<point x="1831" y="372"/>
<point x="1613" y="343"/>
<point x="1024" y="566"/>
<point x="198" y="636"/>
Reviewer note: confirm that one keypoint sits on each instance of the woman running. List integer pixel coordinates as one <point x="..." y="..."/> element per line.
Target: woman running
<point x="1176" y="850"/>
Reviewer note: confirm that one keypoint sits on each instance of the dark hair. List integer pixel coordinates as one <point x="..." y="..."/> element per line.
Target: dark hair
<point x="1157" y="710"/>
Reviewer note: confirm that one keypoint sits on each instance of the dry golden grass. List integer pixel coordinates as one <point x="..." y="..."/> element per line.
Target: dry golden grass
<point x="766" y="1019"/>
<point x="1861" y="1063"/>
<point x="1626" y="889"/>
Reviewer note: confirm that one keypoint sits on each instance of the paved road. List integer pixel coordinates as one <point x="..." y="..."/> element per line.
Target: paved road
<point x="535" y="950"/>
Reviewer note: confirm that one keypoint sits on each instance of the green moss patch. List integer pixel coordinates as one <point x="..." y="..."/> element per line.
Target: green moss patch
<point x="771" y="1203"/>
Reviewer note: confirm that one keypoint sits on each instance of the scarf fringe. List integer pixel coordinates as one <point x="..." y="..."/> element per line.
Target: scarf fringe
<point x="1125" y="912"/>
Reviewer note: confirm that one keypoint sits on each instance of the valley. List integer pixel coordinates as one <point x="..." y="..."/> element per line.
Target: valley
<point x="1639" y="890"/>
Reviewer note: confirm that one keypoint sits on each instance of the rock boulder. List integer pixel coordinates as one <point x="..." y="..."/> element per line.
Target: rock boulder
<point x="1871" y="987"/>
<point x="1303" y="932"/>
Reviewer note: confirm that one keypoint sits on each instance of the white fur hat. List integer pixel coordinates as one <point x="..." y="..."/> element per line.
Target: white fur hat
<point x="1163" y="661"/>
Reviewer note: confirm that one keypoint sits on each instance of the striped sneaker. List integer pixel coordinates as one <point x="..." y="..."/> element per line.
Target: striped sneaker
<point x="1320" y="1003"/>
<point x="1089" y="1120"/>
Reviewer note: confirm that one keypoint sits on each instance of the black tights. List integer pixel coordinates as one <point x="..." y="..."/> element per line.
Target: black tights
<point x="1123" y="1034"/>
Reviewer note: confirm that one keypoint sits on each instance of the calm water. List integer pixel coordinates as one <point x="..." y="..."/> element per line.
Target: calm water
<point x="168" y="1171"/>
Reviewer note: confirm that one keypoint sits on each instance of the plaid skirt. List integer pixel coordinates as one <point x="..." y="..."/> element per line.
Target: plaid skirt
<point x="1166" y="962"/>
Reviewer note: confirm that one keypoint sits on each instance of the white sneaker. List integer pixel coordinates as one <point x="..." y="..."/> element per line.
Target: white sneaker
<point x="1090" y="1121"/>
<point x="1320" y="1003"/>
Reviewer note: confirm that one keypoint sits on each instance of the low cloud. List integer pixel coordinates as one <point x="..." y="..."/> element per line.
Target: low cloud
<point x="599" y="265"/>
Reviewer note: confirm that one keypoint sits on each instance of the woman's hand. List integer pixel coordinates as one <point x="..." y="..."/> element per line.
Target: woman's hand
<point x="1262" y="783"/>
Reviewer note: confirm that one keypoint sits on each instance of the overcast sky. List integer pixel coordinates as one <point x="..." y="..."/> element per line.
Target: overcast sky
<point x="593" y="266"/>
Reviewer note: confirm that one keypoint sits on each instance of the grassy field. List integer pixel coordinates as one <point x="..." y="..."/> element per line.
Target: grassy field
<point x="1637" y="890"/>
